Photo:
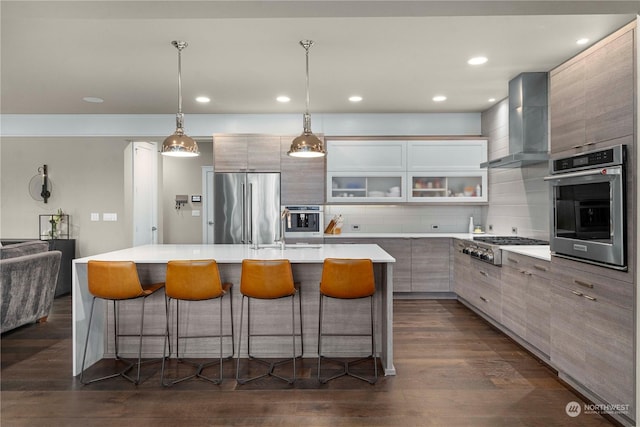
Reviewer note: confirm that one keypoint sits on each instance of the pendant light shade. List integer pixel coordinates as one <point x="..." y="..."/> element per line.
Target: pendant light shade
<point x="307" y="144"/>
<point x="179" y="144"/>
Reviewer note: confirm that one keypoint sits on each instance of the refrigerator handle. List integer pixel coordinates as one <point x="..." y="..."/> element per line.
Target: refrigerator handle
<point x="250" y="222"/>
<point x="244" y="214"/>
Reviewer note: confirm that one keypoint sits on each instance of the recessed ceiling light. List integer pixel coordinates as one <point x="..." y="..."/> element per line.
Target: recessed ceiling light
<point x="492" y="99"/>
<point x="477" y="60"/>
<point x="93" y="99"/>
<point x="582" y="41"/>
<point x="283" y="98"/>
<point x="203" y="99"/>
<point x="439" y="98"/>
<point x="355" y="98"/>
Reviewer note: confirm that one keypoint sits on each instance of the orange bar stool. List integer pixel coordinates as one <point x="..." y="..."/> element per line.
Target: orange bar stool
<point x="268" y="280"/>
<point x="117" y="281"/>
<point x="196" y="281"/>
<point x="347" y="279"/>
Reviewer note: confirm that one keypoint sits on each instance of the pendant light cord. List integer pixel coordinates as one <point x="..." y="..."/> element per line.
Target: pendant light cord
<point x="179" y="81"/>
<point x="306" y="47"/>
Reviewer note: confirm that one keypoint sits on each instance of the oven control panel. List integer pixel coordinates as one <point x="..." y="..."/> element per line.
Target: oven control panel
<point x="609" y="157"/>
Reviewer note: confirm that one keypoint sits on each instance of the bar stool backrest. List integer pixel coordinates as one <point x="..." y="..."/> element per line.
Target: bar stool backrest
<point x="267" y="279"/>
<point x="193" y="280"/>
<point x="114" y="280"/>
<point x="347" y="278"/>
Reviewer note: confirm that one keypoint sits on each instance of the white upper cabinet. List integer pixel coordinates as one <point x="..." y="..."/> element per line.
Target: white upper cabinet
<point x="366" y="156"/>
<point x="464" y="155"/>
<point x="416" y="171"/>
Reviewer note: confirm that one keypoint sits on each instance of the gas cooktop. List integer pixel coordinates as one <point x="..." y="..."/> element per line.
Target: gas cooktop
<point x="509" y="240"/>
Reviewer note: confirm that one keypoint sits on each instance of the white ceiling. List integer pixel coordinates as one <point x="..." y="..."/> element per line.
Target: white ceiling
<point x="242" y="54"/>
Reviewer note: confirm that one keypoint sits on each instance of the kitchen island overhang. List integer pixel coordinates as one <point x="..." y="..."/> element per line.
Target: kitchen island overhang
<point x="306" y="263"/>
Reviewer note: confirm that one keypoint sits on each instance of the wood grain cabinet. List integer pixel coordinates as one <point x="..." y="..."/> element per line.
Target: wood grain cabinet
<point x="302" y="180"/>
<point x="486" y="284"/>
<point x="430" y="264"/>
<point x="234" y="153"/>
<point x="526" y="299"/>
<point x="592" y="330"/>
<point x="401" y="250"/>
<point x="591" y="97"/>
<point x="460" y="276"/>
<point x="422" y="264"/>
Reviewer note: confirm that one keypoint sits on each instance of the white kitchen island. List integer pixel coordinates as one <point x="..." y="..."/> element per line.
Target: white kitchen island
<point x="151" y="261"/>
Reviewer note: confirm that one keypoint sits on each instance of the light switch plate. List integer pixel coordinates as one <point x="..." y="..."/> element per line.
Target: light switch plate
<point x="195" y="212"/>
<point x="95" y="216"/>
<point x="109" y="216"/>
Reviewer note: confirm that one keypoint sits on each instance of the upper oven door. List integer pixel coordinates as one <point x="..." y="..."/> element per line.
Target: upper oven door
<point x="588" y="214"/>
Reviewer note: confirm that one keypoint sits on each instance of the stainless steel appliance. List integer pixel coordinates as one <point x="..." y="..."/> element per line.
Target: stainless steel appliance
<point x="246" y="208"/>
<point x="487" y="248"/>
<point x="588" y="207"/>
<point x="304" y="221"/>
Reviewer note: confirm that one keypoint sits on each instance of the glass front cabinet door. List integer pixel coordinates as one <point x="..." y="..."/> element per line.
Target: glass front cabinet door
<point x="346" y="187"/>
<point x="449" y="187"/>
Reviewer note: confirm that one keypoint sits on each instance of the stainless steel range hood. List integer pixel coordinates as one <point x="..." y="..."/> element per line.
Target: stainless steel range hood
<point x="528" y="122"/>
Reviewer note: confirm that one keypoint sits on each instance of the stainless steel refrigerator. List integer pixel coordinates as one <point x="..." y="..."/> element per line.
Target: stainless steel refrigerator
<point x="246" y="208"/>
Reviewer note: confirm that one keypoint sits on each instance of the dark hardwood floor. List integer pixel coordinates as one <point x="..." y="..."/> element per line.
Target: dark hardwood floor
<point x="453" y="369"/>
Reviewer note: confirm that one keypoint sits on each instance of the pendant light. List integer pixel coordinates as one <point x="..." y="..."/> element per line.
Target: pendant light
<point x="179" y="144"/>
<point x="307" y="144"/>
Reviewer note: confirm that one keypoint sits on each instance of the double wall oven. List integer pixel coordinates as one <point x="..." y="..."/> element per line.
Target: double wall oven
<point x="588" y="207"/>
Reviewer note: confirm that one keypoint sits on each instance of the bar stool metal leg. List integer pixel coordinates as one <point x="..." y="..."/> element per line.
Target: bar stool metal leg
<point x="347" y="365"/>
<point x="271" y="365"/>
<point x="200" y="366"/>
<point x="130" y="364"/>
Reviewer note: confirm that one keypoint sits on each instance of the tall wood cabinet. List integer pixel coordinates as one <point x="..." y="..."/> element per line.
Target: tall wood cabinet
<point x="592" y="96"/>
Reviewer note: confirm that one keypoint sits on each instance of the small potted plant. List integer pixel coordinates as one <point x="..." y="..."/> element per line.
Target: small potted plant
<point x="56" y="220"/>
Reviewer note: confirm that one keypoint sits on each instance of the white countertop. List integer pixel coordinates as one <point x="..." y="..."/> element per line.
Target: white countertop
<point x="232" y="254"/>
<point x="400" y="235"/>
<point x="540" y="251"/>
<point x="535" y="251"/>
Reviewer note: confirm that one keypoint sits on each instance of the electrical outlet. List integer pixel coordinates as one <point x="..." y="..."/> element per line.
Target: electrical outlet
<point x="514" y="230"/>
<point x="355" y="227"/>
<point x="490" y="227"/>
<point x="435" y="226"/>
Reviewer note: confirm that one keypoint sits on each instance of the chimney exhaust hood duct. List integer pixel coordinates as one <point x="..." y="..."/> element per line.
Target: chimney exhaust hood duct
<point x="528" y="122"/>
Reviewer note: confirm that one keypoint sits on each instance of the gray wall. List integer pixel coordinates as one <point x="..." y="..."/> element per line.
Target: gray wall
<point x="517" y="197"/>
<point x="87" y="175"/>
<point x="183" y="176"/>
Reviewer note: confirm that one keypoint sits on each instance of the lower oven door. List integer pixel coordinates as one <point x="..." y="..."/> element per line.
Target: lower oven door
<point x="588" y="216"/>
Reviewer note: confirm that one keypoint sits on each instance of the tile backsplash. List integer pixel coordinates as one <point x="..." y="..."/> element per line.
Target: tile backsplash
<point x="404" y="218"/>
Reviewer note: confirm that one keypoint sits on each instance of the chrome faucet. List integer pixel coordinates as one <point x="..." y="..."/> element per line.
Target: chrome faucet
<point x="284" y="215"/>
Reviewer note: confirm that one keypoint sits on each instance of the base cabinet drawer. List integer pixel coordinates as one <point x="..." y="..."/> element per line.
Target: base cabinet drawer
<point x="485" y="281"/>
<point x="592" y="342"/>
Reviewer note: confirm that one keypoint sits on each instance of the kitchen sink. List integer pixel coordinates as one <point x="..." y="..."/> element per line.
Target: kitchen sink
<point x="289" y="246"/>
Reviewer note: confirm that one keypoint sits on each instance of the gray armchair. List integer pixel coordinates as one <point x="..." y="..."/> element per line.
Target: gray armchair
<point x="28" y="277"/>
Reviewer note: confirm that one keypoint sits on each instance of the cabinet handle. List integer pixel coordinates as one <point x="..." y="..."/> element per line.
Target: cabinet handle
<point x="483" y="273"/>
<point x="539" y="267"/>
<point x="484" y="299"/>
<point x="577" y="146"/>
<point x="580" y="294"/>
<point x="515" y="261"/>
<point x="581" y="283"/>
<point x="525" y="272"/>
<point x="590" y="298"/>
